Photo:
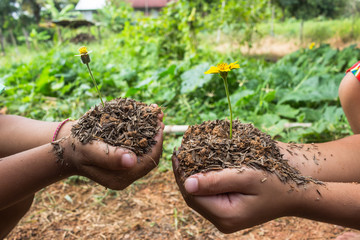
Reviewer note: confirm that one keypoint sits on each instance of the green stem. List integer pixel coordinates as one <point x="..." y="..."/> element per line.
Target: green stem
<point x="92" y="77"/>
<point x="228" y="98"/>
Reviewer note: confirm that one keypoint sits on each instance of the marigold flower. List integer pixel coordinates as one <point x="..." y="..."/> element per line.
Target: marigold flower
<point x="312" y="45"/>
<point x="222" y="67"/>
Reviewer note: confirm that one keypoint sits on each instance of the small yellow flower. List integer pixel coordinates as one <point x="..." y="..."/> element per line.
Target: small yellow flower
<point x="222" y="67"/>
<point x="84" y="55"/>
<point x="312" y="45"/>
<point x="83" y="50"/>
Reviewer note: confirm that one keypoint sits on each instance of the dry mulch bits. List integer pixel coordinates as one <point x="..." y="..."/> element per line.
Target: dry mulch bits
<point x="207" y="147"/>
<point x="123" y="122"/>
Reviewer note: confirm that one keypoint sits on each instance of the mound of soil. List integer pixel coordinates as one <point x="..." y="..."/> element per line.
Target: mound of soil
<point x="123" y="122"/>
<point x="207" y="147"/>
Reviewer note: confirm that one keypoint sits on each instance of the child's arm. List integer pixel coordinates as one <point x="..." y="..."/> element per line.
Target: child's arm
<point x="18" y="134"/>
<point x="349" y="94"/>
<point x="24" y="173"/>
<point x="335" y="161"/>
<point x="233" y="200"/>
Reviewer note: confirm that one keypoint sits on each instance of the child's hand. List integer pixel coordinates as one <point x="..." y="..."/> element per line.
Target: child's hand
<point x="234" y="199"/>
<point x="115" y="168"/>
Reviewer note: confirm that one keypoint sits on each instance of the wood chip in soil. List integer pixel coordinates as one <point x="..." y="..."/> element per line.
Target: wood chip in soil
<point x="207" y="147"/>
<point x="123" y="122"/>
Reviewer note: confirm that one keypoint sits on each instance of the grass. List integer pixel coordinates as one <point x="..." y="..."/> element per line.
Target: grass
<point x="317" y="30"/>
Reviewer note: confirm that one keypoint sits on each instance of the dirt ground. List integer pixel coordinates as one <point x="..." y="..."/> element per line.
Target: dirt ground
<point x="151" y="208"/>
<point x="277" y="47"/>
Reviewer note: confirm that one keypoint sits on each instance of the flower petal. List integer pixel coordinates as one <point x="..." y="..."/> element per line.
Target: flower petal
<point x="212" y="70"/>
<point x="234" y="65"/>
<point x="83" y="50"/>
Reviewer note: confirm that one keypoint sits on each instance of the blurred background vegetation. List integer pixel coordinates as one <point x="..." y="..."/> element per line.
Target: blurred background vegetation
<point x="159" y="54"/>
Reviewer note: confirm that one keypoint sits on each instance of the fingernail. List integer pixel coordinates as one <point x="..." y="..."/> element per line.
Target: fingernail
<point x="191" y="185"/>
<point x="127" y="160"/>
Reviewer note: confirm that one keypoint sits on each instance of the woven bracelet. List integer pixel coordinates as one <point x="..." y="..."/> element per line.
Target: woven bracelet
<point x="58" y="129"/>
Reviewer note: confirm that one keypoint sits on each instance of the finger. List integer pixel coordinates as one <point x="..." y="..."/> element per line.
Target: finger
<point x="103" y="155"/>
<point x="179" y="176"/>
<point x="115" y="180"/>
<point x="224" y="181"/>
<point x="161" y="114"/>
<point x="151" y="159"/>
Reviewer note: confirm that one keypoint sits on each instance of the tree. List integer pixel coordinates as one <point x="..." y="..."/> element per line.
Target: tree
<point x="240" y="17"/>
<point x="7" y="9"/>
<point x="33" y="7"/>
<point x="306" y="9"/>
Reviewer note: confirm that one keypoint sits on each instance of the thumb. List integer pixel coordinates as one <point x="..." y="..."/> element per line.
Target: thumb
<point x="108" y="157"/>
<point x="217" y="182"/>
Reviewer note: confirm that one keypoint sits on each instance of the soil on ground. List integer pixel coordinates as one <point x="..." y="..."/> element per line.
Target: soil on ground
<point x="274" y="48"/>
<point x="151" y="208"/>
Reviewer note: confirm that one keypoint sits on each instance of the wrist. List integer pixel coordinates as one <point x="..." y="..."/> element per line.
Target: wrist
<point x="64" y="130"/>
<point x="300" y="197"/>
<point x="65" y="154"/>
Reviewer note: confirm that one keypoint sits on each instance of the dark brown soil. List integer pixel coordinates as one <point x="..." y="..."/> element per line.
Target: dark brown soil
<point x="123" y="122"/>
<point x="207" y="147"/>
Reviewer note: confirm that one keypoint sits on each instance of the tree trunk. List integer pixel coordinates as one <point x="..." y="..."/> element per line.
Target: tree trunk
<point x="13" y="40"/>
<point x="272" y="21"/>
<point x="353" y="13"/>
<point x="283" y="14"/>
<point x="218" y="37"/>
<point x="99" y="33"/>
<point x="2" y="42"/>
<point x="26" y="35"/>
<point x="301" y="31"/>
<point x="58" y="31"/>
<point x="147" y="7"/>
<point x="36" y="9"/>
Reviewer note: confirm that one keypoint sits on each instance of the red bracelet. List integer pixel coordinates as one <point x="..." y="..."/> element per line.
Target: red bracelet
<point x="58" y="129"/>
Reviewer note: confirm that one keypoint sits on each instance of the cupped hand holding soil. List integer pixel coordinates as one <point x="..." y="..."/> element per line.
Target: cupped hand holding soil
<point x="207" y="147"/>
<point x="107" y="144"/>
<point x="233" y="201"/>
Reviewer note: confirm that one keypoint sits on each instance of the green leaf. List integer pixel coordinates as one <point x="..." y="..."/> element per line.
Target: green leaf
<point x="241" y="95"/>
<point x="270" y="96"/>
<point x="195" y="78"/>
<point x="286" y="111"/>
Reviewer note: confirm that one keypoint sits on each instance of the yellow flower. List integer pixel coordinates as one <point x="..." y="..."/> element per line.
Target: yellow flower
<point x="84" y="55"/>
<point x="222" y="67"/>
<point x="312" y="45"/>
<point x="83" y="50"/>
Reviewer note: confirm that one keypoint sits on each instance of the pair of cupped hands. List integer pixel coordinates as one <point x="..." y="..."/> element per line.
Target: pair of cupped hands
<point x="229" y="199"/>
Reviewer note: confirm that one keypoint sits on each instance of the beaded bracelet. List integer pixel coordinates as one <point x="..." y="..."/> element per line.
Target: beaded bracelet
<point x="58" y="128"/>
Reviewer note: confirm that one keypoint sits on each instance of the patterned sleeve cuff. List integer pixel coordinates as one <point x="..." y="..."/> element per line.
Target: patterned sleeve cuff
<point x="355" y="69"/>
